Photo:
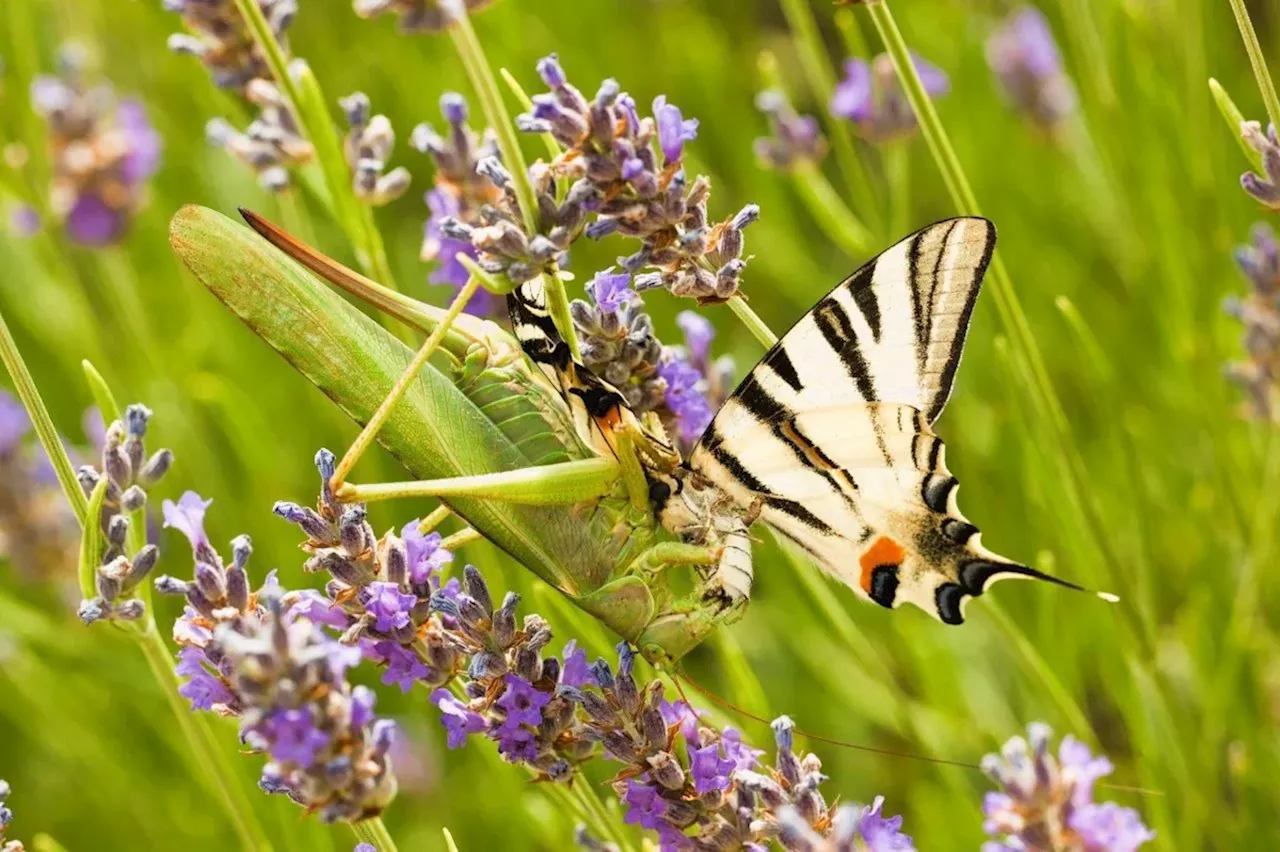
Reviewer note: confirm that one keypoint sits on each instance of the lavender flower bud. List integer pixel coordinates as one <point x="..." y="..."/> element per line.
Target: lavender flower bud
<point x="155" y="468"/>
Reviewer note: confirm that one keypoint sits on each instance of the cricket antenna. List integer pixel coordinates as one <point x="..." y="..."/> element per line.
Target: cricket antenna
<point x="678" y="675"/>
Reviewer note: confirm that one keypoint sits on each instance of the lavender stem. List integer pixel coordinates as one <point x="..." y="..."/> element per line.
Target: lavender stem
<point x="39" y="414"/>
<point x="1258" y="61"/>
<point x="375" y="832"/>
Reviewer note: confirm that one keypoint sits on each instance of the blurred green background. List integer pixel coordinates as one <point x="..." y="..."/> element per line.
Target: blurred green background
<point x="1118" y="237"/>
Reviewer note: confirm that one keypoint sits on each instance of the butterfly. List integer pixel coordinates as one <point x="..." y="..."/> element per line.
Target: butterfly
<point x="829" y="437"/>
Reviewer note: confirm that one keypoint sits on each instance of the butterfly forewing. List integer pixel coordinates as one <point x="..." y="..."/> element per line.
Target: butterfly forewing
<point x="829" y="435"/>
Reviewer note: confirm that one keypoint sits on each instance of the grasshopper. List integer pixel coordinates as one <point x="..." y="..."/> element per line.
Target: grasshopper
<point x="486" y="432"/>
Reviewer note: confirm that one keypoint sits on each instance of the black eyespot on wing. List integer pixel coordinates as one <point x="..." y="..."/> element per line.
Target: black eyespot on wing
<point x="884" y="585"/>
<point x="975" y="574"/>
<point x="958" y="531"/>
<point x="599" y="401"/>
<point x="947" y="599"/>
<point x="935" y="491"/>
<point x="659" y="492"/>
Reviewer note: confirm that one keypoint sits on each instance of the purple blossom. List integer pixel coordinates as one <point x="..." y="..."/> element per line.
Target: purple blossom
<point x="517" y="744"/>
<point x="680" y="713"/>
<point x="202" y="688"/>
<point x="143" y="141"/>
<point x="574" y="671"/>
<point x="318" y="609"/>
<point x="1110" y="827"/>
<point x="1026" y="61"/>
<point x="14" y="423"/>
<point x="673" y="128"/>
<point x="362" y="702"/>
<point x="645" y="807"/>
<point x="443" y="204"/>
<point x="881" y="834"/>
<point x="24" y="221"/>
<point x="292" y="736"/>
<point x="709" y="769"/>
<point x="365" y="847"/>
<point x="871" y="96"/>
<point x="458" y="719"/>
<point x="1081" y="768"/>
<point x="522" y="703"/>
<point x="425" y="555"/>
<point x="611" y="290"/>
<point x="698" y="334"/>
<point x="389" y="606"/>
<point x="187" y="517"/>
<point x="404" y="669"/>
<point x="744" y="757"/>
<point x="685" y="398"/>
<point x="91" y="222"/>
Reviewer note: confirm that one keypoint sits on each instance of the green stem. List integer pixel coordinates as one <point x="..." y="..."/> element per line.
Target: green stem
<point x="1234" y="118"/>
<point x="495" y="113"/>
<point x="822" y="82"/>
<point x="373" y="831"/>
<point x="202" y="739"/>
<point x="39" y="414"/>
<point x="1258" y="61"/>
<point x="898" y="173"/>
<point x="829" y="210"/>
<point x="752" y="321"/>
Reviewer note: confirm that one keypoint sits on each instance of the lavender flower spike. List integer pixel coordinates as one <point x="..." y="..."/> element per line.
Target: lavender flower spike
<point x="420" y="16"/>
<point x="871" y="96"/>
<point x="1265" y="187"/>
<point x="1026" y="61"/>
<point x="366" y="147"/>
<point x="1047" y="803"/>
<point x="1259" y="312"/>
<point x="793" y="141"/>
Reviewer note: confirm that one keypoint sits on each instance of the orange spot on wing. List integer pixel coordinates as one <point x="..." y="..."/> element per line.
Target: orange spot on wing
<point x="883" y="551"/>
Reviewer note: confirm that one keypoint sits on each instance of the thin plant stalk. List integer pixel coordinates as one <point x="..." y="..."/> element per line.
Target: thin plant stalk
<point x="758" y="328"/>
<point x="374" y="831"/>
<point x="1258" y="61"/>
<point x="485" y="84"/>
<point x="897" y="168"/>
<point x="25" y="385"/>
<point x="207" y="752"/>
<point x="822" y="83"/>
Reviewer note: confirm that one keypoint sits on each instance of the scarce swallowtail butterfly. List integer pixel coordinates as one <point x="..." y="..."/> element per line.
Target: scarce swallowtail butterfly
<point x="828" y="439"/>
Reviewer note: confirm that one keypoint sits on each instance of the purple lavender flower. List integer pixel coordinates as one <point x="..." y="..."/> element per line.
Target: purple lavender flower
<point x="24" y="220"/>
<point x="187" y="517"/>
<point x="404" y="669"/>
<point x="293" y="737"/>
<point x="367" y="147"/>
<point x="426" y="558"/>
<point x="574" y="671"/>
<point x="881" y="834"/>
<point x="1259" y="312"/>
<point x="389" y="606"/>
<point x="645" y="807"/>
<point x="365" y="847"/>
<point x="522" y="703"/>
<point x="611" y="290"/>
<point x="673" y="129"/>
<point x="794" y="140"/>
<point x="1026" y="61"/>
<point x="318" y="609"/>
<point x="1265" y="187"/>
<point x="685" y="398"/>
<point x="202" y="688"/>
<point x="742" y="754"/>
<point x="698" y="334"/>
<point x="1110" y="827"/>
<point x="709" y="768"/>
<point x="1048" y="803"/>
<point x="871" y="96"/>
<point x="103" y="152"/>
<point x="458" y="719"/>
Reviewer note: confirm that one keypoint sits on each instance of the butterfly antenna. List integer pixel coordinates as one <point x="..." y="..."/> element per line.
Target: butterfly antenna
<point x="679" y="674"/>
